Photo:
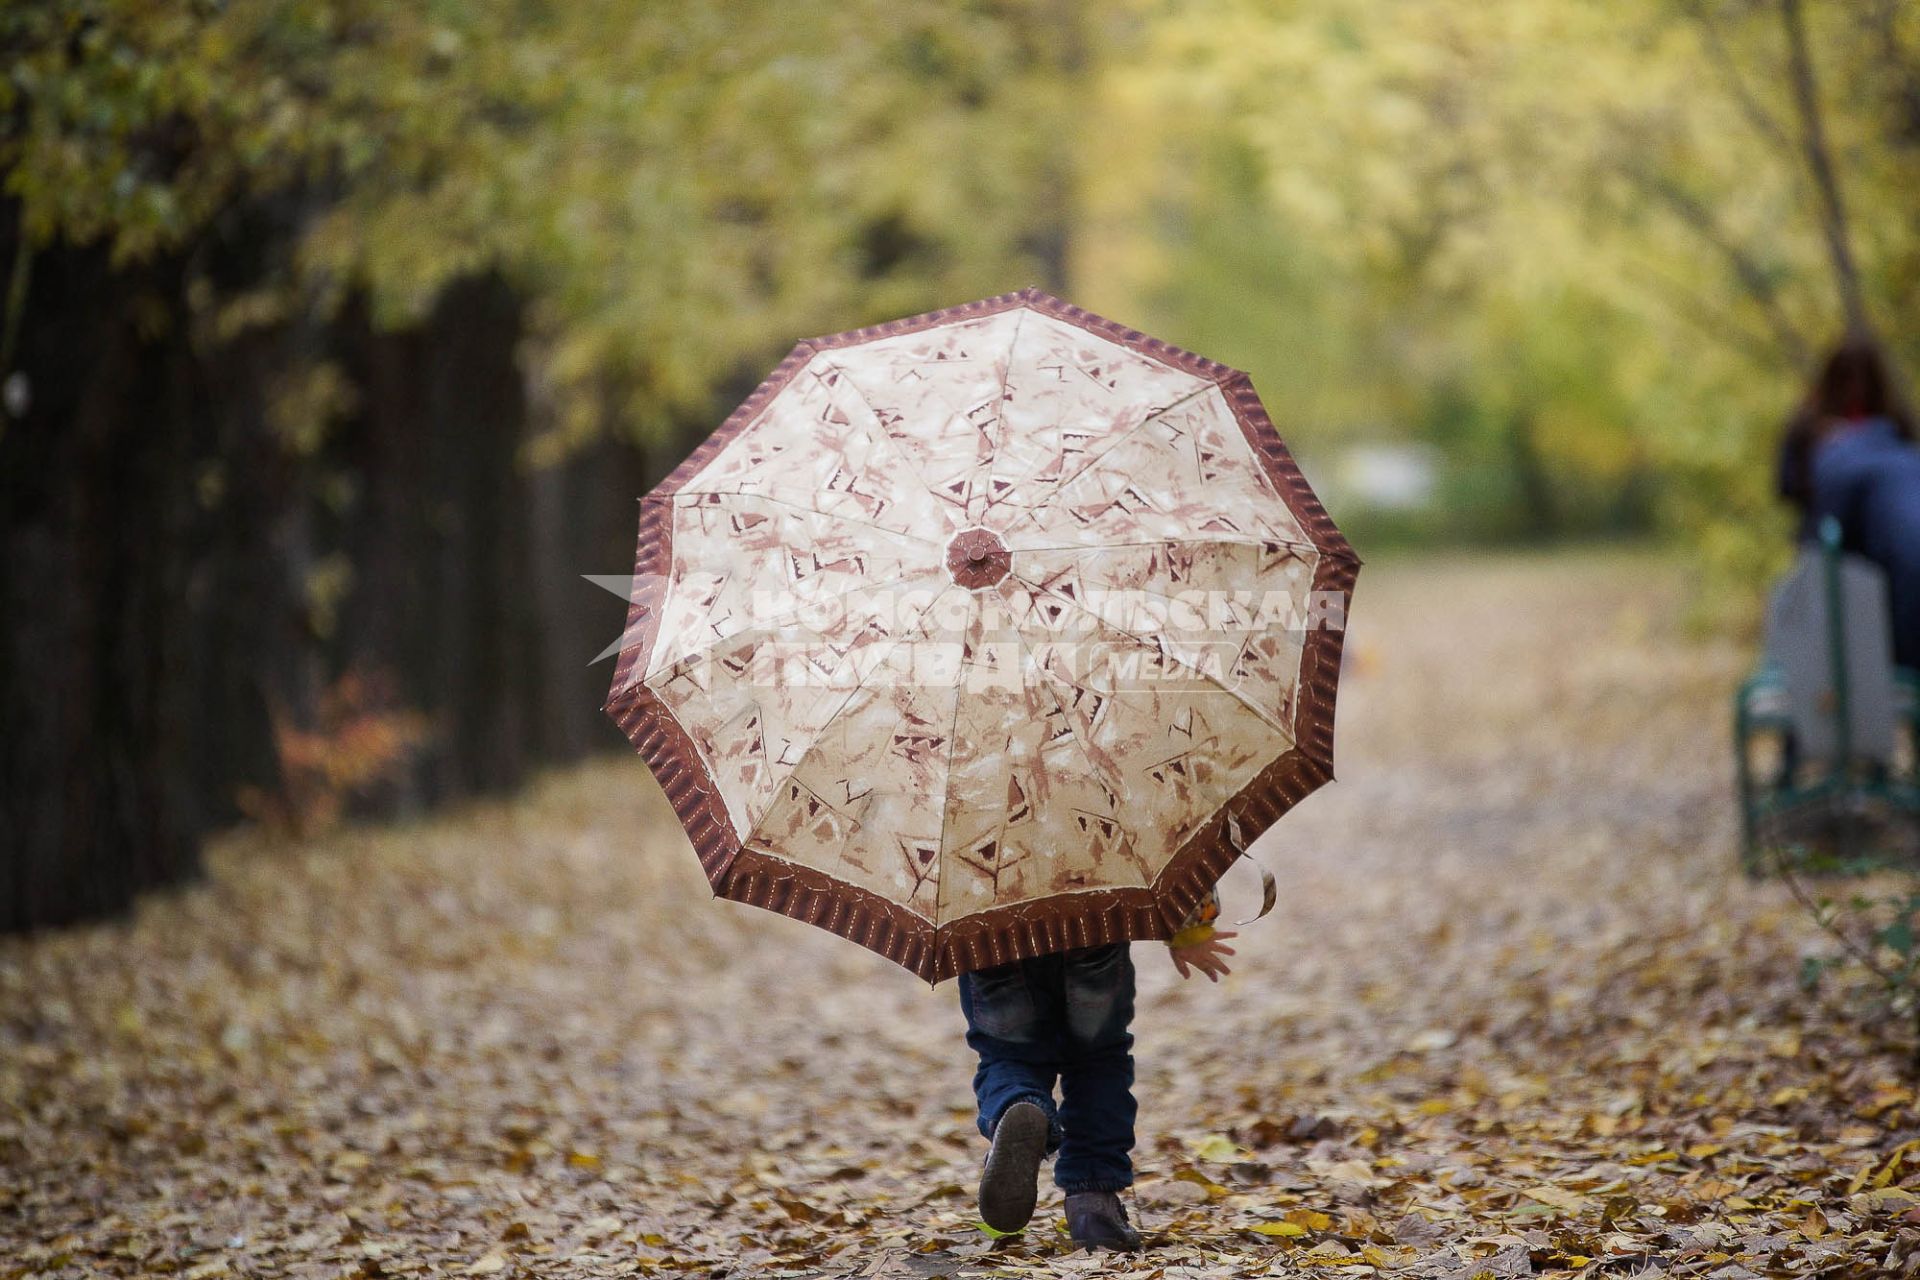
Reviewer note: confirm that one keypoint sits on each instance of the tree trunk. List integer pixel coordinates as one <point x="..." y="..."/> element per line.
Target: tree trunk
<point x="158" y="538"/>
<point x="96" y="798"/>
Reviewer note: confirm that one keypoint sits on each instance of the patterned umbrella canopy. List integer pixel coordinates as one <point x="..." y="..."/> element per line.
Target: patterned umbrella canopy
<point x="985" y="634"/>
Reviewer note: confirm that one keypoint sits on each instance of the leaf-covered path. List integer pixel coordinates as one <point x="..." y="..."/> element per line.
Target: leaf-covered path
<point x="1517" y="1014"/>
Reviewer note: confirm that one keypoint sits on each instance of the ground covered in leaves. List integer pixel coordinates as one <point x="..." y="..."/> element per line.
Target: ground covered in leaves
<point x="1516" y="1015"/>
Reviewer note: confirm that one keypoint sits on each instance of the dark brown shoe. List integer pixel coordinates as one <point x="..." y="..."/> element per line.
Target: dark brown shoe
<point x="1010" y="1183"/>
<point x="1097" y="1220"/>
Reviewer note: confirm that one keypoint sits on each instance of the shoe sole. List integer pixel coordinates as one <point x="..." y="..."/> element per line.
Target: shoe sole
<point x="1111" y="1245"/>
<point x="1010" y="1184"/>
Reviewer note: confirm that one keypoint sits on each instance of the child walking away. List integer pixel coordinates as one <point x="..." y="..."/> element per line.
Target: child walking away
<point x="1067" y="1017"/>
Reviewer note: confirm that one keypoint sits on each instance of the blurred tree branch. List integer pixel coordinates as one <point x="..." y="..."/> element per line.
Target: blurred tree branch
<point x="1789" y="341"/>
<point x="1819" y="161"/>
<point x="1899" y="61"/>
<point x="1711" y="322"/>
<point x="1714" y="38"/>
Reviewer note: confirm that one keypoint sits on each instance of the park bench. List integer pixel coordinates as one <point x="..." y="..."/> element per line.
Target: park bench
<point x="1826" y="730"/>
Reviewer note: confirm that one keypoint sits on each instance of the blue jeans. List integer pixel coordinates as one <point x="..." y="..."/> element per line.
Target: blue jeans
<point x="1064" y="1015"/>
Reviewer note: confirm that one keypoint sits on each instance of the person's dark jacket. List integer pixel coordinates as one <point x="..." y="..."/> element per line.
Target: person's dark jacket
<point x="1866" y="475"/>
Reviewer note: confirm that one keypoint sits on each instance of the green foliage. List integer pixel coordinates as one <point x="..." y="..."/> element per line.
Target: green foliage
<point x="1577" y="247"/>
<point x="677" y="191"/>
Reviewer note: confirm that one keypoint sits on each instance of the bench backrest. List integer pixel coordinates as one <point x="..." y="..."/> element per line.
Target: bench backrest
<point x="1829" y="632"/>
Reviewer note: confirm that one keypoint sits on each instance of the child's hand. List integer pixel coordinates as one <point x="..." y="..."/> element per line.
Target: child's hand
<point x="1209" y="957"/>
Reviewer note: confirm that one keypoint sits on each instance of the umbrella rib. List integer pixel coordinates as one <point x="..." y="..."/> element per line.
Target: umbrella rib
<point x="946" y="799"/>
<point x="1000" y="410"/>
<point x="1250" y="631"/>
<point x="754" y="831"/>
<point x="800" y="506"/>
<point x="1173" y="600"/>
<point x="1117" y="441"/>
<point x="1254" y="541"/>
<point x="880" y="431"/>
<point x="1259" y="713"/>
<point x="788" y="615"/>
<point x="1047" y="681"/>
<point x="1115" y="784"/>
<point x="1006" y="373"/>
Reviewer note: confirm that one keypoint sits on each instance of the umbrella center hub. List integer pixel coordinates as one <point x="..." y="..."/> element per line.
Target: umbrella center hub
<point x="977" y="558"/>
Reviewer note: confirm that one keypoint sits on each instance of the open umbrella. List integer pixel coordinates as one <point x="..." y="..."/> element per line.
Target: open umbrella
<point x="984" y="634"/>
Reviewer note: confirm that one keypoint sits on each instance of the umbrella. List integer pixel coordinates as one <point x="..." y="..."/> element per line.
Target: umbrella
<point x="985" y="634"/>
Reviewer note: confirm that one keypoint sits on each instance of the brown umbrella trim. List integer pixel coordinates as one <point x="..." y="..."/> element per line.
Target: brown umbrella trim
<point x="1046" y="304"/>
<point x="736" y="422"/>
<point x="690" y="789"/>
<point x="1024" y="929"/>
<point x="1284" y="783"/>
<point x="647" y="722"/>
<point x="1281" y="468"/>
<point x="993" y="937"/>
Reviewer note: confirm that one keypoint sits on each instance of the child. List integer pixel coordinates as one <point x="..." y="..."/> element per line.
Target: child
<point x="1067" y="1015"/>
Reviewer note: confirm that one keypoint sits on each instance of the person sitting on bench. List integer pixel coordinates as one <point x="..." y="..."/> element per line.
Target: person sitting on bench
<point x="1850" y="454"/>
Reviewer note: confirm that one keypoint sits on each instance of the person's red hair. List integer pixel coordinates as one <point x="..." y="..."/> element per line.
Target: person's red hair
<point x="1853" y="384"/>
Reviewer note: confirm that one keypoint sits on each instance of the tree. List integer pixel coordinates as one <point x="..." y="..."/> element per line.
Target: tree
<point x="1676" y="191"/>
<point x="344" y="335"/>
